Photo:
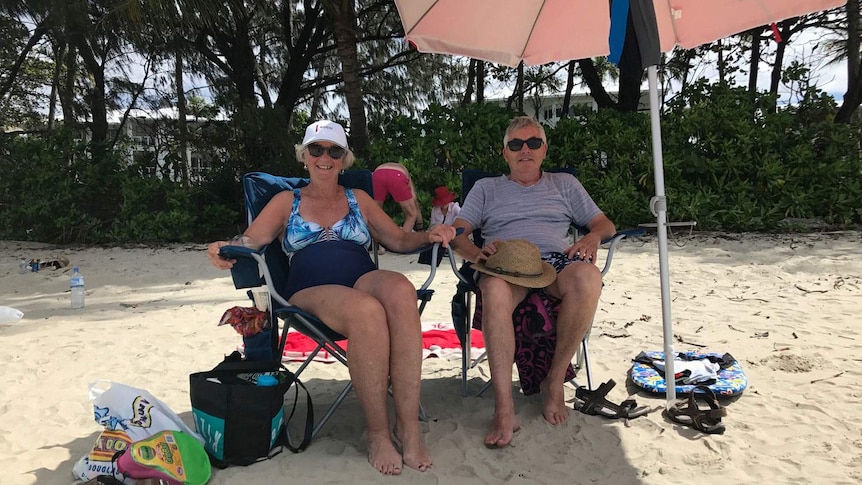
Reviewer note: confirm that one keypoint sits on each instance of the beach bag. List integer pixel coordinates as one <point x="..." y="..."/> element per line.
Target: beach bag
<point x="238" y="408"/>
<point x="127" y="414"/>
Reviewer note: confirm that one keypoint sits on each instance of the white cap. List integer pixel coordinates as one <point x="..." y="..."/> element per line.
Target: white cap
<point x="325" y="130"/>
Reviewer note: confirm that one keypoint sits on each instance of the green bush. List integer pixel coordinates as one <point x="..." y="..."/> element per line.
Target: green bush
<point x="731" y="162"/>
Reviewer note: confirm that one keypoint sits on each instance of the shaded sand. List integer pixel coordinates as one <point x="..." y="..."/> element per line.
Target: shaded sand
<point x="151" y="317"/>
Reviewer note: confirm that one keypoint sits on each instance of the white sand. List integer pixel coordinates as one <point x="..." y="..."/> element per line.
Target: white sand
<point x="151" y="317"/>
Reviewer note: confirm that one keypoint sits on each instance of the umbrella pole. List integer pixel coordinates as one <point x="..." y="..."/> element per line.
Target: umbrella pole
<point x="658" y="206"/>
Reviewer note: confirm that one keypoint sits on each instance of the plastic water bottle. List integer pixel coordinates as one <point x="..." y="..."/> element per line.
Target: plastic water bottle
<point x="76" y="284"/>
<point x="23" y="267"/>
<point x="267" y="381"/>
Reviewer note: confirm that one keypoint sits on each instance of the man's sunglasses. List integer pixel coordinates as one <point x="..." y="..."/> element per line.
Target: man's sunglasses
<point x="516" y="144"/>
<point x="335" y="151"/>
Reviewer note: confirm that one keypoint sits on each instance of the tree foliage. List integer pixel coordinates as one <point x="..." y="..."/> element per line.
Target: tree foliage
<point x="270" y="66"/>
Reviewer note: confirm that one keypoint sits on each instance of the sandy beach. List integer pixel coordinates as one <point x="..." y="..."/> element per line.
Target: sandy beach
<point x="786" y="306"/>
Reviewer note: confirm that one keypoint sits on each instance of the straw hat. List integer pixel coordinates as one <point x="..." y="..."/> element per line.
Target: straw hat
<point x="442" y="196"/>
<point x="520" y="263"/>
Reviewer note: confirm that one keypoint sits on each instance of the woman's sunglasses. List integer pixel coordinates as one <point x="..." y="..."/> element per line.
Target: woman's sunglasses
<point x="335" y="151"/>
<point x="516" y="144"/>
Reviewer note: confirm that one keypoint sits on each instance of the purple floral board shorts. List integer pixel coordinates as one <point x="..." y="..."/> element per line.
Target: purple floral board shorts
<point x="559" y="261"/>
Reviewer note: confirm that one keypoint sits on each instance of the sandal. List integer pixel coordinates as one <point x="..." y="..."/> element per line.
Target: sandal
<point x="688" y="413"/>
<point x="595" y="403"/>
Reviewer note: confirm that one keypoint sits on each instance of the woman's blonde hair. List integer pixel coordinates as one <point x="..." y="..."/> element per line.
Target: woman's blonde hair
<point x="301" y="150"/>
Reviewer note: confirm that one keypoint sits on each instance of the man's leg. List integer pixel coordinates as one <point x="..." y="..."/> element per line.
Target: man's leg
<point x="499" y="299"/>
<point x="579" y="286"/>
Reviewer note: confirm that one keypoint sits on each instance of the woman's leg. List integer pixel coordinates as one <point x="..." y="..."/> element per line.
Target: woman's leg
<point x="397" y="295"/>
<point x="362" y="319"/>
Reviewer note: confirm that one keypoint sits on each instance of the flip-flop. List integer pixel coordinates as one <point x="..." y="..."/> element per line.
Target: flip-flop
<point x="58" y="263"/>
<point x="689" y="413"/>
<point x="595" y="403"/>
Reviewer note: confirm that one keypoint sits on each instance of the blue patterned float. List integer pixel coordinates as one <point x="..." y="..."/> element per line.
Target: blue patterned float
<point x="731" y="380"/>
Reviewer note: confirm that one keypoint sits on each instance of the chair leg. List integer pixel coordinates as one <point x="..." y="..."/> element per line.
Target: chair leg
<point x="465" y="359"/>
<point x="484" y="388"/>
<point x="332" y="408"/>
<point x="586" y="356"/>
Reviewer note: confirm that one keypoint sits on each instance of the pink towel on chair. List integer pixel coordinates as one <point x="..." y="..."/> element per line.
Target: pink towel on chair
<point x="535" y="338"/>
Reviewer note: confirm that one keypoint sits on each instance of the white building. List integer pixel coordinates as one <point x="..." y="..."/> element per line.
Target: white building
<point x="549" y="109"/>
<point x="147" y="142"/>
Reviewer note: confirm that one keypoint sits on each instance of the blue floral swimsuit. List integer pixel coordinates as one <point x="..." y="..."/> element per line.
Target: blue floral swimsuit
<point x="336" y="255"/>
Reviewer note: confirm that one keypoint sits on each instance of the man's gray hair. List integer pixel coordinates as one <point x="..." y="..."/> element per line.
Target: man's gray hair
<point x="523" y="122"/>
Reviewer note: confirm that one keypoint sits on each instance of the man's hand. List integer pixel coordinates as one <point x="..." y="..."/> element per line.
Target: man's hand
<point x="585" y="249"/>
<point x="486" y="251"/>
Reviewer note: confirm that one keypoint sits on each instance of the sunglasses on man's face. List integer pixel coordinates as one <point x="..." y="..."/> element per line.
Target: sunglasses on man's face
<point x="335" y="151"/>
<point x="516" y="144"/>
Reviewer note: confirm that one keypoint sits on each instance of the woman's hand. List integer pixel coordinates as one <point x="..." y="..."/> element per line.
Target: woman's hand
<point x="441" y="233"/>
<point x="215" y="259"/>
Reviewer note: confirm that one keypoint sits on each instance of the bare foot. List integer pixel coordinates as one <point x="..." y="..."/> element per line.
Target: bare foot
<point x="382" y="454"/>
<point x="413" y="450"/>
<point x="502" y="429"/>
<point x="554" y="408"/>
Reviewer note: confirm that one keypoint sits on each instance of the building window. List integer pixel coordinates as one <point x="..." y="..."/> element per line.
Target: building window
<point x="146" y="162"/>
<point x="199" y="167"/>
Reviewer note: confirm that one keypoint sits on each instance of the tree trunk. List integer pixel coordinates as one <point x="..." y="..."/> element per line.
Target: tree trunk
<point x="182" y="124"/>
<point x="343" y="18"/>
<point x="754" y="62"/>
<point x="38" y="33"/>
<point x="480" y="82"/>
<point x="67" y="92"/>
<point x="471" y="76"/>
<point x="517" y="96"/>
<point x="778" y="67"/>
<point x="307" y="42"/>
<point x="594" y="82"/>
<point x="853" y="96"/>
<point x="570" y="84"/>
<point x="59" y="53"/>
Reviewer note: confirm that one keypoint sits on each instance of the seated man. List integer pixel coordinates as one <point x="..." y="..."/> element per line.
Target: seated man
<point x="538" y="207"/>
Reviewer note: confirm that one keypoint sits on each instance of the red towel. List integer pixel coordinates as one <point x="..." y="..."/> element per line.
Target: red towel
<point x="439" y="337"/>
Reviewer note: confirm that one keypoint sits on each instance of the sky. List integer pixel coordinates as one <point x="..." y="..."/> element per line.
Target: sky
<point x="831" y="78"/>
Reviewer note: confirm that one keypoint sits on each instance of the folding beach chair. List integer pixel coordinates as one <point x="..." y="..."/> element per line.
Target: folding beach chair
<point x="462" y="304"/>
<point x="269" y="267"/>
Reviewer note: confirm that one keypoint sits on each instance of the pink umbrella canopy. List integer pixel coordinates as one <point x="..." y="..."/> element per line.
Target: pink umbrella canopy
<point x="542" y="31"/>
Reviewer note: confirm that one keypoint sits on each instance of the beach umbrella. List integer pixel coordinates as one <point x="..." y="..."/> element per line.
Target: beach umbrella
<point x="541" y="31"/>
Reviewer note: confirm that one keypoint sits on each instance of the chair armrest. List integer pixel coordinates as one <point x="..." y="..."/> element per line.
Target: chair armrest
<point x="246" y="271"/>
<point x="435" y="250"/>
<point x="237" y="252"/>
<point x="612" y="243"/>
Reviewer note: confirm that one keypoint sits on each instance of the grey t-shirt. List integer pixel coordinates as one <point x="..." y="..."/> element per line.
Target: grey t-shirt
<point x="541" y="213"/>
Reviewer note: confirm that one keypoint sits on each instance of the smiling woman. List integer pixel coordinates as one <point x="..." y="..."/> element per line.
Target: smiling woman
<point x="326" y="230"/>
